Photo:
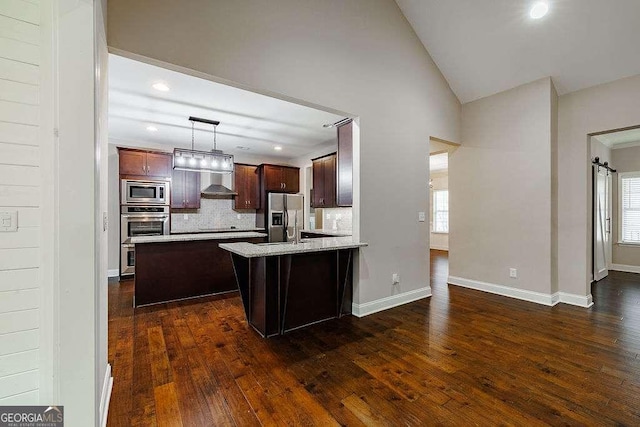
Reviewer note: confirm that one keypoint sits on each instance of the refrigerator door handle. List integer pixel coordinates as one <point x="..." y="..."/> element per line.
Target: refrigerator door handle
<point x="286" y="221"/>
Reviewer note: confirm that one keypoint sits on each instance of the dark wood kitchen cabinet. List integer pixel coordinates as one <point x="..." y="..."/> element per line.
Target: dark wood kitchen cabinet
<point x="324" y="181"/>
<point x="185" y="190"/>
<point x="246" y="184"/>
<point x="139" y="164"/>
<point x="344" y="166"/>
<point x="280" y="179"/>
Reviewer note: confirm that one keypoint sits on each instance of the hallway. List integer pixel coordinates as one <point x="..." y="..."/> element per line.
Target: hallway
<point x="459" y="357"/>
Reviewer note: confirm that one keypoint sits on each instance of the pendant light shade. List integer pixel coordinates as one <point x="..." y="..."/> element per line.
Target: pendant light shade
<point x="214" y="161"/>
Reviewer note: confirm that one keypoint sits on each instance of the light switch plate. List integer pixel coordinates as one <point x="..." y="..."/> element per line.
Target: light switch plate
<point x="8" y="221"/>
<point x="513" y="273"/>
<point x="422" y="216"/>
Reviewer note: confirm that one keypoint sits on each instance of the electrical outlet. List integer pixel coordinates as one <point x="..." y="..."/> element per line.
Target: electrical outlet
<point x="513" y="273"/>
<point x="9" y="221"/>
<point x="239" y="216"/>
<point x="185" y="217"/>
<point x="422" y="216"/>
<point x="396" y="278"/>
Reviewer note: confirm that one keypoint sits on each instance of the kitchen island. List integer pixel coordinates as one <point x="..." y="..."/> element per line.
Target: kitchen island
<point x="179" y="266"/>
<point x="286" y="286"/>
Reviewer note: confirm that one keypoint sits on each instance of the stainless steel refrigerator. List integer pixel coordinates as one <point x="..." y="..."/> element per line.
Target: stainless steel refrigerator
<point x="284" y="211"/>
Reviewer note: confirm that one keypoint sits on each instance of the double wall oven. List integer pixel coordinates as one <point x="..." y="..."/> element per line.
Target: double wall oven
<point x="144" y="211"/>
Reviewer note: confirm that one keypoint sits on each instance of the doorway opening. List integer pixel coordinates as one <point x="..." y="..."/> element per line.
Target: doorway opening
<point x="615" y="201"/>
<point x="439" y="227"/>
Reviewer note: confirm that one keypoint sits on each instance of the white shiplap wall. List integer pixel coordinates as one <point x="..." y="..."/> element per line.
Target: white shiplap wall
<point x="20" y="191"/>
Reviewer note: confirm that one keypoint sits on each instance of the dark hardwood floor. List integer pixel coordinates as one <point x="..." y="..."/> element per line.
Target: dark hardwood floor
<point x="461" y="357"/>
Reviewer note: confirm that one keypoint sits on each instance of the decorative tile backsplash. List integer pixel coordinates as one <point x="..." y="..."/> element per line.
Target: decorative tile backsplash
<point x="335" y="219"/>
<point x="213" y="213"/>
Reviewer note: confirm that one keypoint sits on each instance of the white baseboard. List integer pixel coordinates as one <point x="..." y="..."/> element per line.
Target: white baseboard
<point x="439" y="248"/>
<point x="625" y="268"/>
<point x="105" y="398"/>
<point x="585" y="301"/>
<point x="113" y="273"/>
<point x="531" y="296"/>
<point x="361" y="310"/>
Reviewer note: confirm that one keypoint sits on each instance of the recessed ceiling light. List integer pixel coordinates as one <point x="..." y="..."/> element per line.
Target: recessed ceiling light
<point x="538" y="10"/>
<point x="162" y="87"/>
<point x="240" y="147"/>
<point x="152" y="129"/>
<point x="277" y="148"/>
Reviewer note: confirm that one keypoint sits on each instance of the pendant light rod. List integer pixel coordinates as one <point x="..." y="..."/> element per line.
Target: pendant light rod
<point x="193" y="131"/>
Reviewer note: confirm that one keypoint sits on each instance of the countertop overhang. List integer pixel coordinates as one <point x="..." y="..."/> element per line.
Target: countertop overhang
<point x="252" y="250"/>
<point x="196" y="236"/>
<point x="328" y="232"/>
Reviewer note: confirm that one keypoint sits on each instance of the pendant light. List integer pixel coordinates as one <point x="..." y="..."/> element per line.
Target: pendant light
<point x="214" y="161"/>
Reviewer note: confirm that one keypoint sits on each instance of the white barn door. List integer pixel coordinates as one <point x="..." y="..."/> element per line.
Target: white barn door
<point x="601" y="222"/>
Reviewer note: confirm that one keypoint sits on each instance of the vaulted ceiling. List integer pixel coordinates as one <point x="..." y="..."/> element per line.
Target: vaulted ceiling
<point x="487" y="46"/>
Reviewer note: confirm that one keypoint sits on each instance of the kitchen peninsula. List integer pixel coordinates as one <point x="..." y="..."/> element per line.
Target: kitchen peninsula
<point x="286" y="286"/>
<point x="180" y="266"/>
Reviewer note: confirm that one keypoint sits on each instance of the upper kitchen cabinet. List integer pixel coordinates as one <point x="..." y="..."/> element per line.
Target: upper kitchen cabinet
<point x="280" y="179"/>
<point x="344" y="189"/>
<point x="324" y="182"/>
<point x="185" y="190"/>
<point x="246" y="184"/>
<point x="138" y="164"/>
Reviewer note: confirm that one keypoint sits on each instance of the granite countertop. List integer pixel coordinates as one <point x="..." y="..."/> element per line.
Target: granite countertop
<point x="196" y="236"/>
<point x="253" y="250"/>
<point x="328" y="232"/>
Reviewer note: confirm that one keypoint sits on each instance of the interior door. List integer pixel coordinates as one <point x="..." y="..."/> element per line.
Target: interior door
<point x="601" y="222"/>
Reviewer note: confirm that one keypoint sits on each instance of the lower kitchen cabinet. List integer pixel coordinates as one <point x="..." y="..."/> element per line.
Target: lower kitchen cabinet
<point x="168" y="271"/>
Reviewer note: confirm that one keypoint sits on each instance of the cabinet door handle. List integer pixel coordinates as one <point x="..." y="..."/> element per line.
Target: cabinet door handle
<point x="148" y="169"/>
<point x="144" y="169"/>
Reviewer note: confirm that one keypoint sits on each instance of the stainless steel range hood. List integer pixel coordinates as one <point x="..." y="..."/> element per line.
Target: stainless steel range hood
<point x="216" y="186"/>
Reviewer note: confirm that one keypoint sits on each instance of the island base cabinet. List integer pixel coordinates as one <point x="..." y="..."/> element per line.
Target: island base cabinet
<point x="181" y="270"/>
<point x="288" y="292"/>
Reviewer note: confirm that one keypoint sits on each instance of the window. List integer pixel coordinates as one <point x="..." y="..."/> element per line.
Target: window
<point x="440" y="211"/>
<point x="629" y="195"/>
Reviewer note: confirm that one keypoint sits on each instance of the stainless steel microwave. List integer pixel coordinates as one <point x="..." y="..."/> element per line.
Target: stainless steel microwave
<point x="145" y="192"/>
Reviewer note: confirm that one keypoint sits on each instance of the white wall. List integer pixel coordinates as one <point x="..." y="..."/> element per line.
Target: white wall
<point x="440" y="181"/>
<point x="605" y="107"/>
<point x="50" y="174"/>
<point x="79" y="201"/>
<point x="623" y="160"/>
<point x="114" y="212"/>
<point x="20" y="190"/>
<point x="360" y="57"/>
<point x="500" y="185"/>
